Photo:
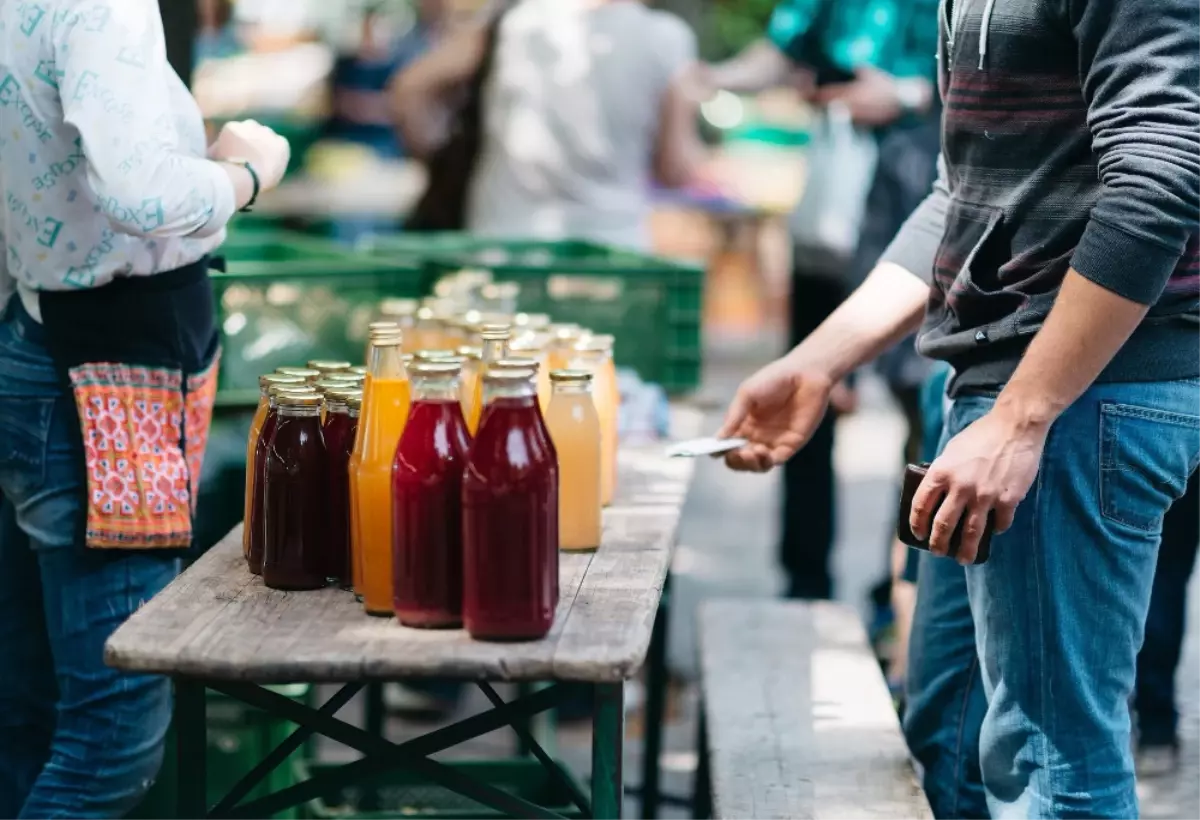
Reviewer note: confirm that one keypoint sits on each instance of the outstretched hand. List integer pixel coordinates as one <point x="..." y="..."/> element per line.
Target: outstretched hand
<point x="776" y="410"/>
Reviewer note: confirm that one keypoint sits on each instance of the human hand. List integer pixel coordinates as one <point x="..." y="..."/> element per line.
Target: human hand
<point x="249" y="141"/>
<point x="987" y="468"/>
<point x="776" y="410"/>
<point x="873" y="97"/>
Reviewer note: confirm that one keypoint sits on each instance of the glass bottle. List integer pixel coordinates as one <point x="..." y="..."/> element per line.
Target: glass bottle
<point x="427" y="501"/>
<point x="401" y="311"/>
<point x="595" y="356"/>
<point x="258" y="466"/>
<point x="334" y="381"/>
<point x="378" y="331"/>
<point x="296" y="512"/>
<point x="338" y="428"/>
<point x="574" y="428"/>
<point x="510" y="516"/>
<point x="385" y="409"/>
<point x="532" y="346"/>
<point x="256" y="425"/>
<point x="563" y="339"/>
<point x="426" y="333"/>
<point x="495" y="348"/>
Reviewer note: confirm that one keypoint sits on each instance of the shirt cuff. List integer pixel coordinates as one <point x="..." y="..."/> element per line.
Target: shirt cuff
<point x="224" y="201"/>
<point x="1129" y="266"/>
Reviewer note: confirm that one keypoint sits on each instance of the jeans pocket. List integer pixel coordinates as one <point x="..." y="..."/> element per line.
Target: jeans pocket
<point x="1146" y="457"/>
<point x="24" y="435"/>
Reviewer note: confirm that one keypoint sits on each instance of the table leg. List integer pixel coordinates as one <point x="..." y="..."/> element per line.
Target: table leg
<point x="191" y="748"/>
<point x="656" y="695"/>
<point x="608" y="745"/>
<point x="374" y="718"/>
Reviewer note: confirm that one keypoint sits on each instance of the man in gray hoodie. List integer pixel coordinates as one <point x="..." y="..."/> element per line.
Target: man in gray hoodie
<point x="1056" y="266"/>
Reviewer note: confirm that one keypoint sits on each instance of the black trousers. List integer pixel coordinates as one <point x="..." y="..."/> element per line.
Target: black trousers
<point x="809" y="491"/>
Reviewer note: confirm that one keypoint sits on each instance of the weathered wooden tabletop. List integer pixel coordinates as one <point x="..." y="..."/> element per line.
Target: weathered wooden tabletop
<point x="217" y="621"/>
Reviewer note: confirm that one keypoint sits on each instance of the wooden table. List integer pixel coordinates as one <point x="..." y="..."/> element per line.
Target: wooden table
<point x="217" y="626"/>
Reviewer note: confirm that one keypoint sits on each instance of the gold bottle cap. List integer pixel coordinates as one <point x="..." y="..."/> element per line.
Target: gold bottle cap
<point x="270" y="379"/>
<point x="281" y="389"/>
<point x="501" y="374"/>
<point x="327" y="366"/>
<point x="570" y="375"/>
<point x="495" y="327"/>
<point x="327" y="384"/>
<point x="514" y="363"/>
<point x="296" y="398"/>
<point x="495" y="336"/>
<point x="386" y="340"/>
<point x="433" y="355"/>
<point x="440" y="367"/>
<point x="374" y="326"/>
<point x="303" y="372"/>
<point x="342" y="395"/>
<point x="468" y="352"/>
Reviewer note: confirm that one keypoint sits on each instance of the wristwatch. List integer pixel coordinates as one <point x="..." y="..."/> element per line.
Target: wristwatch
<point x="253" y="179"/>
<point x="912" y="95"/>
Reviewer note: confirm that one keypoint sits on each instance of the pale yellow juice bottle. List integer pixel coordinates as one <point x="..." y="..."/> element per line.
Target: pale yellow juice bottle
<point x="495" y="348"/>
<point x="574" y="426"/>
<point x="595" y="356"/>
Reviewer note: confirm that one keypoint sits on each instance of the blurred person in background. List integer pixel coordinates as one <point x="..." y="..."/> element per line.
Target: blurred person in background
<point x="216" y="36"/>
<point x="877" y="59"/>
<point x="114" y="202"/>
<point x="576" y="106"/>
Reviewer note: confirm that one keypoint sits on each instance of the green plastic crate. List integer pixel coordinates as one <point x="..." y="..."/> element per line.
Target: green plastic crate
<point x="278" y="313"/>
<point x="239" y="737"/>
<point x="652" y="305"/>
<point x="273" y="245"/>
<point x="403" y="794"/>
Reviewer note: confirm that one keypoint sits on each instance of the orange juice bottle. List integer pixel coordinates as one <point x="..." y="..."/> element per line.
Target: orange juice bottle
<point x="574" y="427"/>
<point x="595" y="356"/>
<point x="495" y="348"/>
<point x="471" y="357"/>
<point x="386" y="399"/>
<point x="563" y="339"/>
<point x="372" y="329"/>
<point x="260" y="415"/>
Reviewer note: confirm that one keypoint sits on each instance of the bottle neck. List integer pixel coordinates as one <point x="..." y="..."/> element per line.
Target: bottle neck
<point x="493" y="391"/>
<point x="442" y="388"/>
<point x="386" y="362"/>
<point x="587" y="360"/>
<point x="494" y="350"/>
<point x="292" y="412"/>
<point x="572" y="389"/>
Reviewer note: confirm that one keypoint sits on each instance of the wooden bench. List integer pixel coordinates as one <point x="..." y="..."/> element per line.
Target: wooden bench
<point x="796" y="720"/>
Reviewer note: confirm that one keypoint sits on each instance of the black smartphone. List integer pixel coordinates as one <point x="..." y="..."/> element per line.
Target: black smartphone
<point x="913" y="475"/>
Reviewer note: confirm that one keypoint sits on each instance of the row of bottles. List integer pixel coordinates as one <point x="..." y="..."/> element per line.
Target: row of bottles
<point x="431" y="482"/>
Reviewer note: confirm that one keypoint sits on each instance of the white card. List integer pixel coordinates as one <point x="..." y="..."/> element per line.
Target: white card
<point x="710" y="446"/>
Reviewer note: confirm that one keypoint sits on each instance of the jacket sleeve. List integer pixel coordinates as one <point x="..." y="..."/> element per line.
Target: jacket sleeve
<point x="114" y="82"/>
<point x="917" y="242"/>
<point x="1139" y="64"/>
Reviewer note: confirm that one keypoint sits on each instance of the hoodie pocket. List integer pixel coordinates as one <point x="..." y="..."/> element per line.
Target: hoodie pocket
<point x="972" y="250"/>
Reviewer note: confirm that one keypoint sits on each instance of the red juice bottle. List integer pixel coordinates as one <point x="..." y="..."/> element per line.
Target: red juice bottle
<point x="295" y="509"/>
<point x="342" y="406"/>
<point x="254" y="521"/>
<point x="427" y="552"/>
<point x="510" y="515"/>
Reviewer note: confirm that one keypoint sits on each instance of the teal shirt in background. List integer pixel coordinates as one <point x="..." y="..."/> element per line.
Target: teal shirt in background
<point x="896" y="36"/>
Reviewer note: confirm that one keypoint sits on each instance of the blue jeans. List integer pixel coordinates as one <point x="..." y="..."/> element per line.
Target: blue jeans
<point x="944" y="700"/>
<point x="1060" y="607"/>
<point x="77" y="739"/>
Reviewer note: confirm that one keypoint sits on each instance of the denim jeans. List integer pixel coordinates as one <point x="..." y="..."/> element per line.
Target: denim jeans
<point x="77" y="739"/>
<point x="1154" y="701"/>
<point x="1060" y="607"/>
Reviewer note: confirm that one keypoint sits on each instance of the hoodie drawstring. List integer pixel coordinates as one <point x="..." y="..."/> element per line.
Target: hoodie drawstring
<point x="984" y="25"/>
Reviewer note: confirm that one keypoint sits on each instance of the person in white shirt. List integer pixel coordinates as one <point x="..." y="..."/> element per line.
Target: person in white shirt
<point x="108" y="358"/>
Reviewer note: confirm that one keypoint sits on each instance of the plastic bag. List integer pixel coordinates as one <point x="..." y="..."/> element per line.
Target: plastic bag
<point x="841" y="164"/>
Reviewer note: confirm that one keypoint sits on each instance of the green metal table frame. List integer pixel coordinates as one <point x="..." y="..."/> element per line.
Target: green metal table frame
<point x="381" y="755"/>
